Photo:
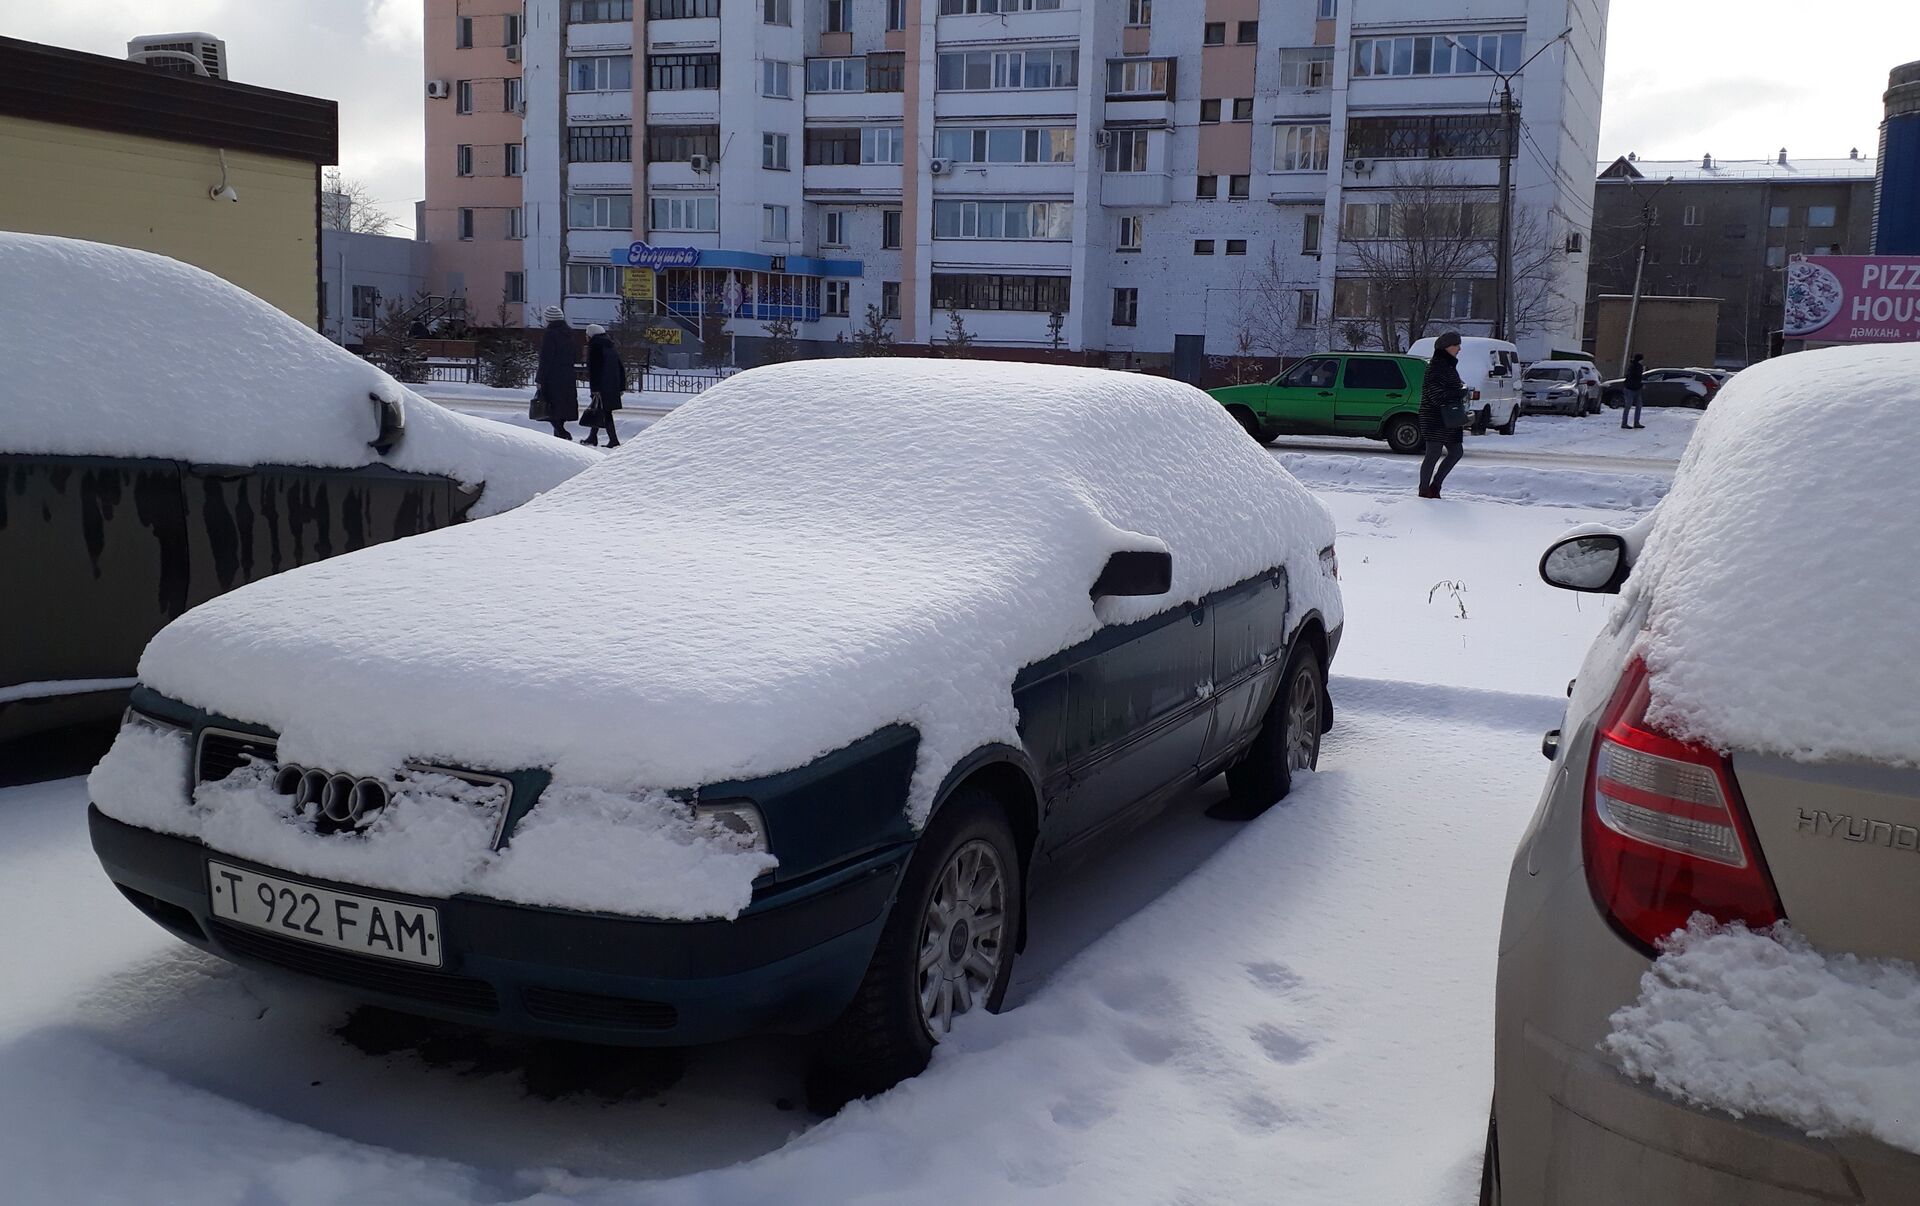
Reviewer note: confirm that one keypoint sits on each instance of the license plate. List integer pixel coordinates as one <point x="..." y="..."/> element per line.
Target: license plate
<point x="364" y="925"/>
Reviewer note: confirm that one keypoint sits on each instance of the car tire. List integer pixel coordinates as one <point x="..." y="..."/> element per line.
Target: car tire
<point x="884" y="1035"/>
<point x="1403" y="434"/>
<point x="1593" y="406"/>
<point x="1289" y="739"/>
<point x="1512" y="423"/>
<point x="1490" y="1166"/>
<point x="1248" y="421"/>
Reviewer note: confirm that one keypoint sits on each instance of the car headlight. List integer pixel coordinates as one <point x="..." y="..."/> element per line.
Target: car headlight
<point x="134" y="716"/>
<point x="737" y="819"/>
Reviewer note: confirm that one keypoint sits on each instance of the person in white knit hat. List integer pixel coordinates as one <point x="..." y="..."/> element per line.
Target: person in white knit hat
<point x="607" y="379"/>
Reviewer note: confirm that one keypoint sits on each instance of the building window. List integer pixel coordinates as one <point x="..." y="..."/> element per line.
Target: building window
<point x="514" y="288"/>
<point x="682" y="72"/>
<point x="1127" y="151"/>
<point x="1203" y="247"/>
<point x="366" y="301"/>
<point x="1237" y="187"/>
<point x="882" y="144"/>
<point x="516" y="158"/>
<point x="1690" y="255"/>
<point x="602" y="73"/>
<point x="466" y="223"/>
<point x="1140" y="79"/>
<point x="833" y="231"/>
<point x="776" y="12"/>
<point x="887" y="71"/>
<point x="832" y="146"/>
<point x="1126" y="307"/>
<point x="463" y="160"/>
<point x="1131" y="232"/>
<point x="1447" y="136"/>
<point x="677" y="144"/>
<point x="889" y="230"/>
<point x="838" y="299"/>
<point x="1246" y="32"/>
<point x="1236" y="247"/>
<point x="889" y="299"/>
<point x="1008" y="70"/>
<point x="1777" y="216"/>
<point x="463" y="32"/>
<point x="1003" y="220"/>
<point x="1004" y="144"/>
<point x="514" y="94"/>
<point x="1243" y="109"/>
<point x="839" y="16"/>
<point x="1300" y="148"/>
<point x="837" y="75"/>
<point x="1310" y="235"/>
<point x="1209" y="111"/>
<point x="1822" y="216"/>
<point x="1690" y="216"/>
<point x="582" y="12"/>
<point x="1139" y="12"/>
<point x="776" y="78"/>
<point x="1206" y="188"/>
<point x="896" y="14"/>
<point x="684" y="213"/>
<point x="510" y="34"/>
<point x="600" y="211"/>
<point x="1213" y="33"/>
<point x="669" y="10"/>
<point x="463" y="96"/>
<point x="599" y="144"/>
<point x="593" y="280"/>
<point x="1306" y="67"/>
<point x="773" y="223"/>
<point x="1000" y="291"/>
<point x="1436" y="54"/>
<point x="516" y="223"/>
<point x="1328" y="9"/>
<point x="1776" y="257"/>
<point x="956" y="8"/>
<point x="773" y="151"/>
<point x="1306" y="307"/>
<point x="1827" y="249"/>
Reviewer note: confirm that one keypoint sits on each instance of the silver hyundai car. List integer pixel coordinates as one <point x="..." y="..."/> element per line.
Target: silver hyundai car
<point x="1732" y="747"/>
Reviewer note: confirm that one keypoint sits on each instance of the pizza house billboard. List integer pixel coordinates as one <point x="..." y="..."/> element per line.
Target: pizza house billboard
<point x="1853" y="298"/>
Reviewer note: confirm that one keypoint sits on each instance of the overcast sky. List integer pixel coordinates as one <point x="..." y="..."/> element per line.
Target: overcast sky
<point x="1683" y="77"/>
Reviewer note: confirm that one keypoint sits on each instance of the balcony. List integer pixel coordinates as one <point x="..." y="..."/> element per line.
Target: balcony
<point x="1002" y="255"/>
<point x="835" y="181"/>
<point x="851" y="108"/>
<point x="598" y="176"/>
<point x="1063" y="22"/>
<point x="684" y="33"/>
<point x="684" y="107"/>
<point x="600" y="35"/>
<point x="592" y="108"/>
<point x="1134" y="190"/>
<point x="1010" y="102"/>
<point x="1008" y="179"/>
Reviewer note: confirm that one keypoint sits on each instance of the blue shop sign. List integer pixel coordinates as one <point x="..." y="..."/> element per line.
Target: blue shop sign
<point x="644" y="255"/>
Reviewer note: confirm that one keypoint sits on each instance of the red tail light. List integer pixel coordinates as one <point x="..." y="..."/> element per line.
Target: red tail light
<point x="1665" y="833"/>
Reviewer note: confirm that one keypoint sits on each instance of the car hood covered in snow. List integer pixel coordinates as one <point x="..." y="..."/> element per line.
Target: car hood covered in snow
<point x="110" y="351"/>
<point x="1780" y="575"/>
<point x="801" y="556"/>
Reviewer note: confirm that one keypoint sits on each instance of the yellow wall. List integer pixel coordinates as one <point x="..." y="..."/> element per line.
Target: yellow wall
<point x="152" y="194"/>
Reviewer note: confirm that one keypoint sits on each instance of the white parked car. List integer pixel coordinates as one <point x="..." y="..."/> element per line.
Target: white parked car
<point x="1569" y="387"/>
<point x="1491" y="369"/>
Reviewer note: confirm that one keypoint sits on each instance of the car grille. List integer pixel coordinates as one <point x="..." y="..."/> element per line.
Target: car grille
<point x="223" y="751"/>
<point x="590" y="1009"/>
<point x="452" y="992"/>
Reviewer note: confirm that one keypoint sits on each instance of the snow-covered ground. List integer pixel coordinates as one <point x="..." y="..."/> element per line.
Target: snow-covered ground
<point x="1600" y="436"/>
<point x="1296" y="1009"/>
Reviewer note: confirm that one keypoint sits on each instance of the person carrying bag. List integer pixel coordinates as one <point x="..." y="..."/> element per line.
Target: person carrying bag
<point x="1444" y="414"/>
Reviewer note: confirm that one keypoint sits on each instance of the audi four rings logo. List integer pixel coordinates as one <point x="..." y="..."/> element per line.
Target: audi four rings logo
<point x="342" y="799"/>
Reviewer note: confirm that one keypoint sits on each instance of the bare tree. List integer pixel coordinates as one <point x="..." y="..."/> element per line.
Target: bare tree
<point x="349" y="205"/>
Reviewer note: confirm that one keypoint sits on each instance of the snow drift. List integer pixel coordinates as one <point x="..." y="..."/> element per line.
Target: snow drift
<point x="1778" y="569"/>
<point x="115" y="352"/>
<point x="801" y="556"/>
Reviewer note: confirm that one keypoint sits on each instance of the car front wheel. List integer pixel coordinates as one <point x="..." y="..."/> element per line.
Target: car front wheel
<point x="1512" y="424"/>
<point x="1289" y="740"/>
<point x="946" y="951"/>
<point x="1403" y="434"/>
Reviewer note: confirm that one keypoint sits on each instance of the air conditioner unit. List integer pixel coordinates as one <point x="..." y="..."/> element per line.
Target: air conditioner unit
<point x="1360" y="167"/>
<point x="1103" y="138"/>
<point x="700" y="163"/>
<point x="513" y="54"/>
<point x="179" y="52"/>
<point x="437" y="89"/>
<point x="940" y="167"/>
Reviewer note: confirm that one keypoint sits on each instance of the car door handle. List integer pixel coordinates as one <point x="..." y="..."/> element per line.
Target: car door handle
<point x="1199" y="615"/>
<point x="1393" y="395"/>
<point x="1326" y="393"/>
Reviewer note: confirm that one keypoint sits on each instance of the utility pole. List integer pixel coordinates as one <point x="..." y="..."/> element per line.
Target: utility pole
<point x="1639" y="271"/>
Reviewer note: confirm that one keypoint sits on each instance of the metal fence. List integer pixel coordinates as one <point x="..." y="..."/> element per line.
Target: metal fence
<point x="469" y="372"/>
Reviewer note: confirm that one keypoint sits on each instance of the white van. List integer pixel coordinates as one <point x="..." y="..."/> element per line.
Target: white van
<point x="1491" y="369"/>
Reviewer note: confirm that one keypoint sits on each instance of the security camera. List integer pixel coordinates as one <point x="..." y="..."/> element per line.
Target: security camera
<point x="225" y="192"/>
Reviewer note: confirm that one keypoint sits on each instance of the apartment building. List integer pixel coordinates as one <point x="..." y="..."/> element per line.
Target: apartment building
<point x="1155" y="181"/>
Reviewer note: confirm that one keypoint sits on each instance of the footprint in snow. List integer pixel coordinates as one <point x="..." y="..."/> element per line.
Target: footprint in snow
<point x="1276" y="978"/>
<point x="1280" y="1046"/>
<point x="1082" y="1114"/>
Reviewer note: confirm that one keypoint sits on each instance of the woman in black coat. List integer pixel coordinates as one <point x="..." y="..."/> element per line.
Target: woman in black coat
<point x="1443" y="385"/>
<point x="607" y="378"/>
<point x="553" y="384"/>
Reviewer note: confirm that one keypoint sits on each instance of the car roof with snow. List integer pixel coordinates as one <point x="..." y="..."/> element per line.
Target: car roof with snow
<point x="799" y="557"/>
<point x="1781" y="591"/>
<point x="115" y="352"/>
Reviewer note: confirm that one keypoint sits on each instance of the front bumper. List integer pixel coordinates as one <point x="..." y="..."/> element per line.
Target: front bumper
<point x="789" y="964"/>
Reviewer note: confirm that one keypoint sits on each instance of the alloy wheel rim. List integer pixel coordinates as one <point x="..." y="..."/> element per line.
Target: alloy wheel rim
<point x="1303" y="721"/>
<point x="962" y="936"/>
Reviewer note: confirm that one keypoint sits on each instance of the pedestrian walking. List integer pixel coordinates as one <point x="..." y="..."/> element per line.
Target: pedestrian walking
<point x="1444" y="414"/>
<point x="1630" y="403"/>
<point x="556" y="397"/>
<point x="607" y="378"/>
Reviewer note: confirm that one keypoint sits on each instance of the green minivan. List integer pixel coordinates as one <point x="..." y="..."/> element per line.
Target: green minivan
<point x="1367" y="394"/>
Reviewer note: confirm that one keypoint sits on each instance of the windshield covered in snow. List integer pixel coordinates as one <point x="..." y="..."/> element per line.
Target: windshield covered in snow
<point x="1549" y="374"/>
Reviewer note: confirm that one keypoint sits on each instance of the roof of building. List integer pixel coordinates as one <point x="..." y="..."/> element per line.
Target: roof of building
<point x="1707" y="169"/>
<point x="73" y="88"/>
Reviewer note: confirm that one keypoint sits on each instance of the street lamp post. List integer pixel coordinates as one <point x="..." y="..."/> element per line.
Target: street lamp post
<point x="1503" y="253"/>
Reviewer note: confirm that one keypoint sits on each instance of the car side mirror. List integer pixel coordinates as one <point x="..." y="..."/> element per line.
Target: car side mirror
<point x="393" y="424"/>
<point x="1135" y="572"/>
<point x="1498" y="370"/>
<point x="1594" y="564"/>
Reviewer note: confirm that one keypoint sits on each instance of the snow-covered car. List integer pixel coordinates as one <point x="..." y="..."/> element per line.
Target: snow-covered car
<point x="166" y="436"/>
<point x="731" y="734"/>
<point x="1567" y="386"/>
<point x="1706" y="986"/>
<point x="1490" y="368"/>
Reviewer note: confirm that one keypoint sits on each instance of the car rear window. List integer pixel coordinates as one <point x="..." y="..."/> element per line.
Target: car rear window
<point x="1367" y="372"/>
<point x="1550" y="374"/>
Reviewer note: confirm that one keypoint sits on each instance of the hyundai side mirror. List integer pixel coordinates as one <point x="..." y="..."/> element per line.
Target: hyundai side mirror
<point x="1135" y="572"/>
<point x="393" y="424"/>
<point x="1594" y="564"/>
